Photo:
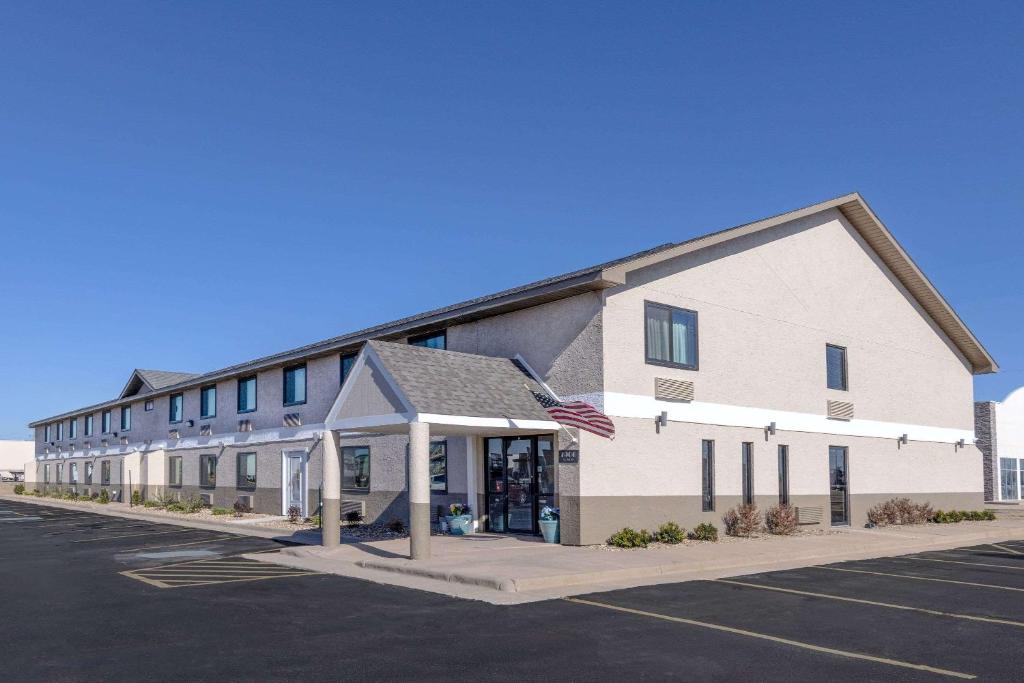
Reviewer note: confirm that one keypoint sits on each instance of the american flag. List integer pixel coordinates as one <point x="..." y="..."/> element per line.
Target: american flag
<point x="577" y="414"/>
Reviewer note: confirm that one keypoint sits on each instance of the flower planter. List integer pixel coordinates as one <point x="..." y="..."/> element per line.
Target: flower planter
<point x="460" y="525"/>
<point x="549" y="528"/>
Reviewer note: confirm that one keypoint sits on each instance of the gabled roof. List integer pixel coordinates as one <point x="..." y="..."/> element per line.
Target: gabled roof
<point x="454" y="383"/>
<point x="148" y="381"/>
<point x="613" y="273"/>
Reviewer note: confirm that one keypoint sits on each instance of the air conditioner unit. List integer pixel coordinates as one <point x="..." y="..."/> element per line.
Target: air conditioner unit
<point x="246" y="501"/>
<point x="207" y="499"/>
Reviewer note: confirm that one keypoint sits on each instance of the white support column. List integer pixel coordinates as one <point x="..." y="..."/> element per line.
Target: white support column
<point x="419" y="490"/>
<point x="330" y="515"/>
<point x="472" y="460"/>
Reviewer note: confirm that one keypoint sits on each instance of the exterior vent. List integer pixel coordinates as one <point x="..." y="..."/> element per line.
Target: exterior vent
<point x="245" y="501"/>
<point x="245" y="425"/>
<point x="808" y="515"/>
<point x="124" y="440"/>
<point x="205" y="430"/>
<point x="357" y="506"/>
<point x="104" y="443"/>
<point x="672" y="389"/>
<point x="292" y="420"/>
<point x="840" y="410"/>
<point x="173" y="434"/>
<point x="207" y="499"/>
<point x="86" y="445"/>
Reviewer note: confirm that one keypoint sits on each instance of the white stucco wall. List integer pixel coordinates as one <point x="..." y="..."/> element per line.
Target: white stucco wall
<point x="14" y="455"/>
<point x="1010" y="425"/>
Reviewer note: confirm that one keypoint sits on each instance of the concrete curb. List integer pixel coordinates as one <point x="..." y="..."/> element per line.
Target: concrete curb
<point x="239" y="528"/>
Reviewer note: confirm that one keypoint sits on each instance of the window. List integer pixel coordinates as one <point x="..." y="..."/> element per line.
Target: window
<point x="88" y="472"/>
<point x="46" y="474"/>
<point x="148" y="405"/>
<point x="60" y="473"/>
<point x="174" y="474"/>
<point x="126" y="418"/>
<point x="432" y="340"/>
<point x="355" y="467"/>
<point x="246" y="470"/>
<point x="105" y="422"/>
<point x="60" y="431"/>
<point x="105" y="473"/>
<point x="295" y="385"/>
<point x="670" y="336"/>
<point x="347" y="361"/>
<point x="707" y="475"/>
<point x="247" y="394"/>
<point x="439" y="467"/>
<point x="208" y="401"/>
<point x="835" y="366"/>
<point x="73" y="473"/>
<point x="88" y="425"/>
<point x="748" y="473"/>
<point x="1008" y="479"/>
<point x="47" y="433"/>
<point x="783" y="475"/>
<point x="73" y="428"/>
<point x="208" y="471"/>
<point x="176" y="407"/>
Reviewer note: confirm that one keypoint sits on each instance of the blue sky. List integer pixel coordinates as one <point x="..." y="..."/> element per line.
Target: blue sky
<point x="187" y="185"/>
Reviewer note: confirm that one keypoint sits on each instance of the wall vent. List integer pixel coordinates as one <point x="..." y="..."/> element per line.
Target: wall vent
<point x="173" y="434"/>
<point x="358" y="506"/>
<point x="207" y="499"/>
<point x="840" y="410"/>
<point x="124" y="440"/>
<point x="672" y="389"/>
<point x="246" y="501"/>
<point x="104" y="443"/>
<point x="809" y="515"/>
<point x="245" y="425"/>
<point x="205" y="430"/>
<point x="293" y="420"/>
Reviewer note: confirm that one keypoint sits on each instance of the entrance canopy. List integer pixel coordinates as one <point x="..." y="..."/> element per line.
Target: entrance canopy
<point x="392" y="385"/>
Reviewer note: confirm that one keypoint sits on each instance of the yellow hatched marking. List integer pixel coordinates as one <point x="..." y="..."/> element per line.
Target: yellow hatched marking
<point x="777" y="639"/>
<point x="923" y="578"/>
<point x="860" y="601"/>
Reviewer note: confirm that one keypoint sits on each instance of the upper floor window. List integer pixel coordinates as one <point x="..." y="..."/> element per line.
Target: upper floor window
<point x="105" y="422"/>
<point x="73" y="428"/>
<point x="47" y="432"/>
<point x="88" y="425"/>
<point x="432" y="340"/>
<point x="208" y="401"/>
<point x="347" y="361"/>
<point x="295" y="385"/>
<point x="177" y="406"/>
<point x="355" y="467"/>
<point x="670" y="336"/>
<point x="126" y="418"/>
<point x="247" y="394"/>
<point x="60" y="431"/>
<point x="835" y="366"/>
<point x="148" y="405"/>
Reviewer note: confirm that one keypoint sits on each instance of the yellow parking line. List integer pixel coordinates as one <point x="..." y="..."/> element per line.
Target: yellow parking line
<point x="938" y="613"/>
<point x="976" y="564"/>
<point x="777" y="639"/>
<point x="260" y="578"/>
<point x="155" y="533"/>
<point x="133" y="575"/>
<point x="924" y="578"/>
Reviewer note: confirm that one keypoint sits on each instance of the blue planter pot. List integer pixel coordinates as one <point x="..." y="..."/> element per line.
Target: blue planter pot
<point x="461" y="525"/>
<point x="549" y="528"/>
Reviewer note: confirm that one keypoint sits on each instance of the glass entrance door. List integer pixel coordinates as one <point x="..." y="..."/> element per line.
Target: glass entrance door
<point x="295" y="482"/>
<point x="838" y="481"/>
<point x="1008" y="479"/>
<point x="520" y="479"/>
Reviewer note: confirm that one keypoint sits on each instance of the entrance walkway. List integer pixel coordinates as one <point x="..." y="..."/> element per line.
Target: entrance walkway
<point x="512" y="569"/>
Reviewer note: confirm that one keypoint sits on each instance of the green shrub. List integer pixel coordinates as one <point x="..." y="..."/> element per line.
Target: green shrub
<point x="670" y="533"/>
<point x="705" y="531"/>
<point x="192" y="504"/>
<point x="221" y="511"/>
<point x="152" y="504"/>
<point x="175" y="506"/>
<point x="37" y="493"/>
<point x="85" y="496"/>
<point x="136" y="497"/>
<point x="954" y="516"/>
<point x="104" y="497"/>
<point x="781" y="520"/>
<point x="314" y="520"/>
<point x="69" y="495"/>
<point x="19" y="489"/>
<point x="630" y="538"/>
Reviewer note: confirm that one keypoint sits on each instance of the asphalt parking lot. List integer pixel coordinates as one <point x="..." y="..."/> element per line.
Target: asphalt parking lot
<point x="88" y="597"/>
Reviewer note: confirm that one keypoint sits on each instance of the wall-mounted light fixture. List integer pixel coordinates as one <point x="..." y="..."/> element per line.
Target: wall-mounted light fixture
<point x="662" y="420"/>
<point x="962" y="443"/>
<point x="770" y="429"/>
<point x="191" y="423"/>
<point x="903" y="440"/>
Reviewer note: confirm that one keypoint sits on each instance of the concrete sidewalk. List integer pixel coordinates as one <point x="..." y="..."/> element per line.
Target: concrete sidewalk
<point x="511" y="570"/>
